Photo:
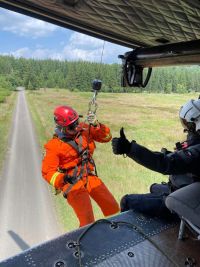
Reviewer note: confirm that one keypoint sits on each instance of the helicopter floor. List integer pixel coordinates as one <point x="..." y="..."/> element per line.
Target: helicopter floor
<point x="128" y="239"/>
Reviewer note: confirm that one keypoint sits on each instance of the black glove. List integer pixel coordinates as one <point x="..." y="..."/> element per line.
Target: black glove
<point x="69" y="179"/>
<point x="121" y="145"/>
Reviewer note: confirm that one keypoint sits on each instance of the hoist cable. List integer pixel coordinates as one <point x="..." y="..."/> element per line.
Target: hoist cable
<point x="96" y="86"/>
<point x="101" y="60"/>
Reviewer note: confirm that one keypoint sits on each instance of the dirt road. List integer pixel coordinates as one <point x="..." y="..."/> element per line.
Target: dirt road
<point x="26" y="214"/>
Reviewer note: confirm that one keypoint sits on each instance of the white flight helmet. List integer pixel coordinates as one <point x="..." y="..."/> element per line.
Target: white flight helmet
<point x="190" y="115"/>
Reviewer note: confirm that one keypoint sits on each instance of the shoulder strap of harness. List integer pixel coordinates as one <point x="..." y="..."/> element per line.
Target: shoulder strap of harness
<point x="77" y="147"/>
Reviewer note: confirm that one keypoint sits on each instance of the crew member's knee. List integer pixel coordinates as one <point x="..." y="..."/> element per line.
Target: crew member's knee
<point x="131" y="202"/>
<point x="124" y="203"/>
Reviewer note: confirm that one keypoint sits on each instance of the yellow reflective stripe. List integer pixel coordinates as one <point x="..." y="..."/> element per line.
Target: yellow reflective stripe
<point x="53" y="178"/>
<point x="107" y="137"/>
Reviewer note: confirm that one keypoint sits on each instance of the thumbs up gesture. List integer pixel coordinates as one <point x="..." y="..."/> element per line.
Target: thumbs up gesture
<point x="120" y="145"/>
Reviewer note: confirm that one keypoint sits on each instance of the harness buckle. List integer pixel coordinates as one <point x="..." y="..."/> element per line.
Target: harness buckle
<point x="84" y="155"/>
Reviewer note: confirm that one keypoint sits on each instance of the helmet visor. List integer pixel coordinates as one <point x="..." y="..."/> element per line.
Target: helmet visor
<point x="190" y="126"/>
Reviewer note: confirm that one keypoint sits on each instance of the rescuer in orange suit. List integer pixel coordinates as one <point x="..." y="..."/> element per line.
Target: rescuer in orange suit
<point x="68" y="164"/>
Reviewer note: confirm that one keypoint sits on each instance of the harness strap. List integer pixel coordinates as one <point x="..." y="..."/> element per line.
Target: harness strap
<point x="67" y="191"/>
<point x="75" y="145"/>
<point x="84" y="154"/>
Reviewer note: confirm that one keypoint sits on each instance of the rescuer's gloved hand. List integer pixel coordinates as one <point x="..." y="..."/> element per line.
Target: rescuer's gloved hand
<point x="69" y="179"/>
<point x="121" y="145"/>
<point x="92" y="118"/>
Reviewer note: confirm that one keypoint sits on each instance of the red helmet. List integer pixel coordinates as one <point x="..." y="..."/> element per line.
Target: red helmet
<point x="65" y="115"/>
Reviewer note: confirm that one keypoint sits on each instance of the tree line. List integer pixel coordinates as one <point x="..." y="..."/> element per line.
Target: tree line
<point x="78" y="75"/>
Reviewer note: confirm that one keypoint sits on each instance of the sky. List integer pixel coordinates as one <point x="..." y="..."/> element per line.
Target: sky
<point x="23" y="36"/>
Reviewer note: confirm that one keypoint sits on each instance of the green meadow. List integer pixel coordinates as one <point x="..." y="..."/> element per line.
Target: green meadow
<point x="150" y="119"/>
<point x="7" y="104"/>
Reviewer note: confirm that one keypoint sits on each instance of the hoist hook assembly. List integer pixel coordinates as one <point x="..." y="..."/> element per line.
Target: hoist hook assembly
<point x="96" y="87"/>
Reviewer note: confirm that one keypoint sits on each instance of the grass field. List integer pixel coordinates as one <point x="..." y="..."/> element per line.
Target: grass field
<point x="6" y="111"/>
<point x="151" y="119"/>
<point x="4" y="94"/>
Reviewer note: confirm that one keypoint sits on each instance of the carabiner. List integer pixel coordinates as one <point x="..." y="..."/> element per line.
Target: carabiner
<point x="94" y="108"/>
<point x="93" y="103"/>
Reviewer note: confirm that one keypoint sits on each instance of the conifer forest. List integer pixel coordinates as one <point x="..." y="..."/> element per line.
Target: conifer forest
<point x="77" y="76"/>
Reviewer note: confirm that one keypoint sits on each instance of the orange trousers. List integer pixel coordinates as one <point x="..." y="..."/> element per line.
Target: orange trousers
<point x="79" y="199"/>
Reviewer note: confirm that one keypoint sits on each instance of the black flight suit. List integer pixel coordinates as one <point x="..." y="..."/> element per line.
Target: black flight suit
<point x="183" y="166"/>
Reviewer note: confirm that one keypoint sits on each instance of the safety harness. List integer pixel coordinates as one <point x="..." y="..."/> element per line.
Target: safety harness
<point x="83" y="154"/>
<point x="177" y="181"/>
<point x="84" y="159"/>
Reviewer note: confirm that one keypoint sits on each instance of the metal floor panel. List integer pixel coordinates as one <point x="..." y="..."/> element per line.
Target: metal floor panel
<point x="123" y="240"/>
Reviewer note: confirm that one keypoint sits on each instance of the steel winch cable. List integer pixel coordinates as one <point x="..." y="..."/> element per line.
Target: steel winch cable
<point x="96" y="85"/>
<point x="102" y="51"/>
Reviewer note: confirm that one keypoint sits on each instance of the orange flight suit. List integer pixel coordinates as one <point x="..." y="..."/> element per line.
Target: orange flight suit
<point x="60" y="155"/>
